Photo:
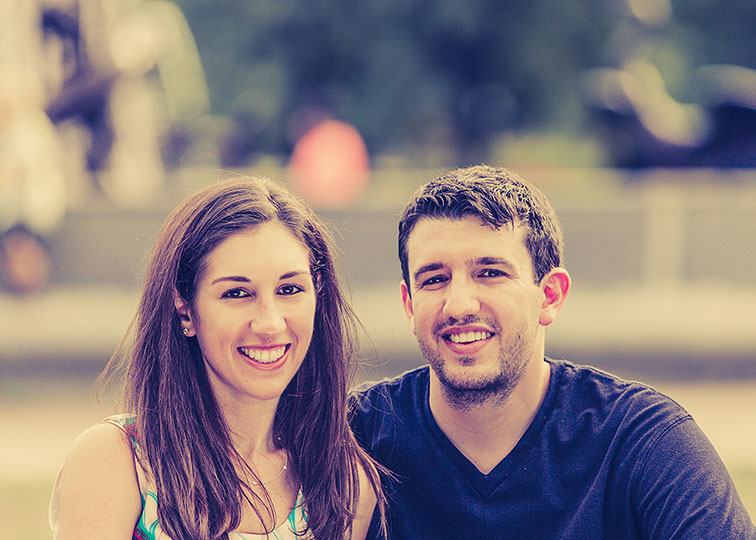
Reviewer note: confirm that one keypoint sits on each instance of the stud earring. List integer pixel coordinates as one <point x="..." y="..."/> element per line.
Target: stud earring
<point x="186" y="331"/>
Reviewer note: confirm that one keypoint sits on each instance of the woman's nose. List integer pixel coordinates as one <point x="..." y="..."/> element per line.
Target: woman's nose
<point x="267" y="318"/>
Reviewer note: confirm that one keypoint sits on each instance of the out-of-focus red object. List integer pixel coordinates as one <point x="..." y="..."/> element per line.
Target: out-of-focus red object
<point x="330" y="165"/>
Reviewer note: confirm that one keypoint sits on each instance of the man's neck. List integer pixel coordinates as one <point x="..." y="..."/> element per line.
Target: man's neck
<point x="487" y="432"/>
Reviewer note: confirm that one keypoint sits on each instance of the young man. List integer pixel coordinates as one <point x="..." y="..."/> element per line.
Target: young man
<point x="494" y="441"/>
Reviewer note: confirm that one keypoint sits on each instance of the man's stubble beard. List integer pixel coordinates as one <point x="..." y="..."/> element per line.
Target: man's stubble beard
<point x="467" y="392"/>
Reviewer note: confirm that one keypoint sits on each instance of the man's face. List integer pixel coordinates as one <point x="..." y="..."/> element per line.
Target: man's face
<point x="474" y="306"/>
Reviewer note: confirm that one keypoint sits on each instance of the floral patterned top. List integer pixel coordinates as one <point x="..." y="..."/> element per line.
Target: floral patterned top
<point x="148" y="526"/>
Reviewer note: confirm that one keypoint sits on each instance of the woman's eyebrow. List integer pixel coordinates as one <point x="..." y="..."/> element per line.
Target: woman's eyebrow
<point x="294" y="273"/>
<point x="236" y="279"/>
<point x="242" y="279"/>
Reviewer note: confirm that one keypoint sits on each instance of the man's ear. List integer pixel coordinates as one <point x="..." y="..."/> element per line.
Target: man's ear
<point x="407" y="302"/>
<point x="184" y="314"/>
<point x="555" y="286"/>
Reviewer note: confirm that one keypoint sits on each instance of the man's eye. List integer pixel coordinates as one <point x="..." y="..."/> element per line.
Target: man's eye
<point x="235" y="293"/>
<point x="288" y="290"/>
<point x="491" y="272"/>
<point x="435" y="280"/>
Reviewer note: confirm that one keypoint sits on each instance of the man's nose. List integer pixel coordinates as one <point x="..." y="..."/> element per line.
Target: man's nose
<point x="461" y="299"/>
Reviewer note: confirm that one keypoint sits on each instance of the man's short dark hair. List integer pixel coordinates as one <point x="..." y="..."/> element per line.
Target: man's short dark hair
<point x="499" y="198"/>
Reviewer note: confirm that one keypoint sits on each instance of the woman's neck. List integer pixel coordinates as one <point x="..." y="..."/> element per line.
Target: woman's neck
<point x="250" y="426"/>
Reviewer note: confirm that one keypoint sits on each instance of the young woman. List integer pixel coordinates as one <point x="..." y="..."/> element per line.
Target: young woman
<point x="236" y="388"/>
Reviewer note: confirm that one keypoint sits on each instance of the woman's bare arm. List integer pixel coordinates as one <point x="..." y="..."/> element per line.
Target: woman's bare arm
<point x="96" y="494"/>
<point x="364" y="507"/>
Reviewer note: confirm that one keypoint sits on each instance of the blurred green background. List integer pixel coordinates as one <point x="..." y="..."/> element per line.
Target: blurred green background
<point x="464" y="75"/>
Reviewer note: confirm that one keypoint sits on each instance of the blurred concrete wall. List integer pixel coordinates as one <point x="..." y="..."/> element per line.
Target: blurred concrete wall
<point x="662" y="264"/>
<point x="668" y="226"/>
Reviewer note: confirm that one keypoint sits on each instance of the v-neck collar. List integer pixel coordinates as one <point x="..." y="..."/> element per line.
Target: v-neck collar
<point x="486" y="484"/>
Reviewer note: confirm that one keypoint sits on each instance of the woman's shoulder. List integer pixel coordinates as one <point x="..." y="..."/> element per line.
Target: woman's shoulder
<point x="108" y="439"/>
<point x="97" y="479"/>
<point x="100" y="452"/>
<point x="126" y="423"/>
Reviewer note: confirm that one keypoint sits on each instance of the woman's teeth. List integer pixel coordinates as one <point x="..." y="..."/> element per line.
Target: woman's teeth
<point x="264" y="356"/>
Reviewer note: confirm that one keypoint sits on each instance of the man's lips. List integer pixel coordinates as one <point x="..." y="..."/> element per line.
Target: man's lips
<point x="463" y="336"/>
<point x="265" y="355"/>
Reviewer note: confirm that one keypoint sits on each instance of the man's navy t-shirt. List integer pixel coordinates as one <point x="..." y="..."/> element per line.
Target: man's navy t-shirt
<point x="603" y="458"/>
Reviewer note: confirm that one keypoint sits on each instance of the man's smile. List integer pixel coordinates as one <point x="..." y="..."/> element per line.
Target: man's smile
<point x="467" y="337"/>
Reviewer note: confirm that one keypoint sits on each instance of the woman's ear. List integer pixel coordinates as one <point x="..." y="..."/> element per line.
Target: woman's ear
<point x="555" y="286"/>
<point x="184" y="314"/>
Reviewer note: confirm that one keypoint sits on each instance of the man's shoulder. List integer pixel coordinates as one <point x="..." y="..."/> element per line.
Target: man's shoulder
<point x="584" y="387"/>
<point x="408" y="381"/>
<point x="583" y="376"/>
<point x="400" y="392"/>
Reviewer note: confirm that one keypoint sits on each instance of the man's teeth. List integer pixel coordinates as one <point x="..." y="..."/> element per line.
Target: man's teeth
<point x="469" y="337"/>
<point x="264" y="356"/>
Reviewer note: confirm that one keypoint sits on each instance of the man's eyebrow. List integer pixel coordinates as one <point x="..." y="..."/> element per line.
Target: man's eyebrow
<point x="496" y="261"/>
<point x="432" y="267"/>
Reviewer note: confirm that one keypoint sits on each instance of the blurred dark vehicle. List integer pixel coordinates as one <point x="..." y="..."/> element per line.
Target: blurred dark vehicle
<point x="643" y="126"/>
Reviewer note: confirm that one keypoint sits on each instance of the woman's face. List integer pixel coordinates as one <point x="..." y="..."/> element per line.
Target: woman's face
<point x="253" y="313"/>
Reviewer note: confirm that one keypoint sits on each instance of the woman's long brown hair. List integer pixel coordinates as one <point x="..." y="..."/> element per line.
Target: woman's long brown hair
<point x="182" y="431"/>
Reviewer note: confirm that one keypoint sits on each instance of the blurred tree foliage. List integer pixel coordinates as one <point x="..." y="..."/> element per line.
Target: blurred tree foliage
<point x="455" y="74"/>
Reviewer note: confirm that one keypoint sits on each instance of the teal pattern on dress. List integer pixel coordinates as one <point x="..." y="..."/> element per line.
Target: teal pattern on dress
<point x="148" y="530"/>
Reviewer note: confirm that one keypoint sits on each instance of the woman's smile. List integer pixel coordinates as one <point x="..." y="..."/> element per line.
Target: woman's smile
<point x="268" y="357"/>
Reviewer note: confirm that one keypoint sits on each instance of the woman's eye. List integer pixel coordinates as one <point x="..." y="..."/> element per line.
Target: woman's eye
<point x="235" y="293"/>
<point x="288" y="290"/>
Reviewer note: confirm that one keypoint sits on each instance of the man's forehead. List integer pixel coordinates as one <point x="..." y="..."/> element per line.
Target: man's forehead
<point x="467" y="217"/>
<point x="430" y="223"/>
<point x="430" y="235"/>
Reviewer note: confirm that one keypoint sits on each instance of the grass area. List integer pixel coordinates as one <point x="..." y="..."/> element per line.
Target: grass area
<point x="745" y="481"/>
<point x="23" y="509"/>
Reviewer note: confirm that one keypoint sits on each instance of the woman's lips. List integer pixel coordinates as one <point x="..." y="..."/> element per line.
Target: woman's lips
<point x="265" y="357"/>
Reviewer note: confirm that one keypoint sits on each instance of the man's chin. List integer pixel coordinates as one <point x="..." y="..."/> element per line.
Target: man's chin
<point x="467" y="389"/>
<point x="472" y="382"/>
<point x="463" y="374"/>
<point x="467" y="396"/>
